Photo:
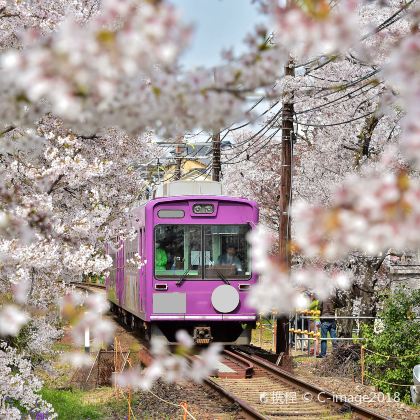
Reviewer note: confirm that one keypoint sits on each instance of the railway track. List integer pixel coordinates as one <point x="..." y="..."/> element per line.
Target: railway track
<point x="209" y="396"/>
<point x="261" y="390"/>
<point x="89" y="286"/>
<point x="273" y="392"/>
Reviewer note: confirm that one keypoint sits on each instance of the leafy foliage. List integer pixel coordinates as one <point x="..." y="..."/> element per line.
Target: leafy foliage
<point x="397" y="347"/>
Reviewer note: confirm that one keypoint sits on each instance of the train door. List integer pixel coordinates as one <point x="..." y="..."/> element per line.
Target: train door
<point x="131" y="273"/>
<point x="141" y="274"/>
<point x="112" y="278"/>
<point x="120" y="272"/>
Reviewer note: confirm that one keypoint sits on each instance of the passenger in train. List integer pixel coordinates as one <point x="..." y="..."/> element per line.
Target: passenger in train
<point x="230" y="258"/>
<point x="161" y="258"/>
<point x="170" y="254"/>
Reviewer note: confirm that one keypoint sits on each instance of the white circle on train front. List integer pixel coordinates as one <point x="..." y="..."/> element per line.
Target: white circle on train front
<point x="225" y="298"/>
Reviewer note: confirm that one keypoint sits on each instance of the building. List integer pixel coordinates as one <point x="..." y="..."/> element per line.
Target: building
<point x="192" y="161"/>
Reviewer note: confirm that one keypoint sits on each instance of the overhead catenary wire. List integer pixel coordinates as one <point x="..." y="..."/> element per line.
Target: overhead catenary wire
<point x="346" y="95"/>
<point x="255" y="152"/>
<point x="265" y="129"/>
<point x="302" y="123"/>
<point x="389" y="21"/>
<point x="333" y="90"/>
<point x="338" y="123"/>
<point x="259" y="136"/>
<point x="383" y="25"/>
<point x="261" y="132"/>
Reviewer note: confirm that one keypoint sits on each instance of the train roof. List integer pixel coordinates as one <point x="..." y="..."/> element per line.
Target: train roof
<point x="155" y="201"/>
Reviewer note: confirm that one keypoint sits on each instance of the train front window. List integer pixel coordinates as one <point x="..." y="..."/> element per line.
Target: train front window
<point x="178" y="251"/>
<point x="207" y="252"/>
<point x="226" y="252"/>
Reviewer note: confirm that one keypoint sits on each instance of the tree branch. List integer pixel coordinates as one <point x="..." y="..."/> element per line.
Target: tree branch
<point x="60" y="177"/>
<point x="7" y="130"/>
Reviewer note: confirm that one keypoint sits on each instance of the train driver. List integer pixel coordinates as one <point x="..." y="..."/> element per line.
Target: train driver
<point x="230" y="258"/>
<point x="160" y="258"/>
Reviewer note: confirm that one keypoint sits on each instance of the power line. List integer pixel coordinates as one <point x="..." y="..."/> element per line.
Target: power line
<point x="249" y="156"/>
<point x="335" y="124"/>
<point x="261" y="132"/>
<point x="346" y="95"/>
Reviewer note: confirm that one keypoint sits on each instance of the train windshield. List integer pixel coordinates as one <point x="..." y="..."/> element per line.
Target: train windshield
<point x="202" y="252"/>
<point x="226" y="252"/>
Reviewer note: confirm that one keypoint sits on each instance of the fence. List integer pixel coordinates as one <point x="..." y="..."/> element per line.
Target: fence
<point x="301" y="336"/>
<point x="121" y="360"/>
<point x="264" y="336"/>
<point x="303" y="331"/>
<point x="387" y="357"/>
<point x="312" y="335"/>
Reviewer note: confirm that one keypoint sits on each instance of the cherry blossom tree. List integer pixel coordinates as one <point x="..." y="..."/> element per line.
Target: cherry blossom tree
<point x="82" y="86"/>
<point x="343" y="126"/>
<point x="20" y="389"/>
<point x="63" y="198"/>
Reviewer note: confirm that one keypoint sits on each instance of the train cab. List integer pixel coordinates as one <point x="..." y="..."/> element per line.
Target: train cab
<point x="196" y="272"/>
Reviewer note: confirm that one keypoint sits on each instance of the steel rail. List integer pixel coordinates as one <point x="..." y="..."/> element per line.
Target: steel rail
<point x="249" y="411"/>
<point x="293" y="380"/>
<point x="245" y="407"/>
<point x="84" y="285"/>
<point x="248" y="366"/>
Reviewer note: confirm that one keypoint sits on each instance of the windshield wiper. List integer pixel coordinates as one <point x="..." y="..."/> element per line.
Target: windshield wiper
<point x="222" y="277"/>
<point x="182" y="278"/>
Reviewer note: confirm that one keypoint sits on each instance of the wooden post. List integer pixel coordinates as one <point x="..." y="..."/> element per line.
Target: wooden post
<point x="261" y="331"/>
<point x="184" y="405"/>
<point x="129" y="398"/>
<point x="217" y="167"/>
<point x="178" y="161"/>
<point x="216" y="157"/>
<point x="115" y="363"/>
<point x="286" y="176"/>
<point x="274" y="334"/>
<point x="282" y="344"/>
<point x="129" y="404"/>
<point x="362" y="362"/>
<point x="87" y="340"/>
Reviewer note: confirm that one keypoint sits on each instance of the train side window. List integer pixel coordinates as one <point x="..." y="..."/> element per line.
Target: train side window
<point x="142" y="245"/>
<point x="113" y="256"/>
<point x="131" y="249"/>
<point x="114" y="247"/>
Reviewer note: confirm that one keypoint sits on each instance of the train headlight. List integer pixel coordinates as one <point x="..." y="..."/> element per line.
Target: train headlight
<point x="203" y="208"/>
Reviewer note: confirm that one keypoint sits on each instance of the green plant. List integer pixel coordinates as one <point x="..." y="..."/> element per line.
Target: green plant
<point x="99" y="403"/>
<point x="394" y="351"/>
<point x="69" y="404"/>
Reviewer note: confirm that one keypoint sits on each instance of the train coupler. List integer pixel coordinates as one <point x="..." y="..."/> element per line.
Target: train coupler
<point x="202" y="335"/>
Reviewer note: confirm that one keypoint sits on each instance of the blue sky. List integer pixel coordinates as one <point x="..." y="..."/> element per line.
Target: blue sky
<point x="218" y="24"/>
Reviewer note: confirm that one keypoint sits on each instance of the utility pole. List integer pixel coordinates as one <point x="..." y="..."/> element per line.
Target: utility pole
<point x="282" y="334"/>
<point x="158" y="169"/>
<point x="216" y="157"/>
<point x="178" y="161"/>
<point x="216" y="149"/>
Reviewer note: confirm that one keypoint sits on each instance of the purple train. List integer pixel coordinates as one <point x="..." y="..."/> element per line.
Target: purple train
<point x="197" y="271"/>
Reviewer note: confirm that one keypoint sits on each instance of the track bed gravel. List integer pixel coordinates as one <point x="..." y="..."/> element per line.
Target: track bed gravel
<point x="307" y="370"/>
